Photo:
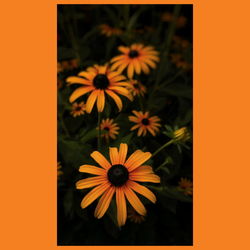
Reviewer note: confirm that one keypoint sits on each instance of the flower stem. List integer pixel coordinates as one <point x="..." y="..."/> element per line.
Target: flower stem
<point x="162" y="147"/>
<point x="99" y="131"/>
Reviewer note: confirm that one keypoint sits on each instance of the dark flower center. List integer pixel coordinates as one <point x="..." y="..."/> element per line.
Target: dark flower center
<point x="145" y="121"/>
<point x="79" y="108"/>
<point x="133" y="53"/>
<point x="118" y="175"/>
<point x="106" y="128"/>
<point x="101" y="81"/>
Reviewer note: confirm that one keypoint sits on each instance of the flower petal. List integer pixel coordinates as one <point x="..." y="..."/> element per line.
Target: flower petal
<point x="121" y="206"/>
<point x="130" y="70"/>
<point x="142" y="190"/>
<point x="104" y="202"/>
<point x="94" y="194"/>
<point x="100" y="101"/>
<point x="79" y="92"/>
<point x="123" y="153"/>
<point x="134" y="201"/>
<point x="90" y="169"/>
<point x="91" y="101"/>
<point x="116" y="98"/>
<point x="90" y="182"/>
<point x="145" y="178"/>
<point x="113" y="155"/>
<point x="143" y="170"/>
<point x="75" y="79"/>
<point x="100" y="159"/>
<point x="133" y="157"/>
<point x="138" y="161"/>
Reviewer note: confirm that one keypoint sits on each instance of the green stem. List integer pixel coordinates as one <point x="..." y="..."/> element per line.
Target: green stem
<point x="64" y="126"/>
<point x="162" y="147"/>
<point x="99" y="131"/>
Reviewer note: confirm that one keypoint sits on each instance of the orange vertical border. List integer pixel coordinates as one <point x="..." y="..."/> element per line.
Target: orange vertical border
<point x="28" y="125"/>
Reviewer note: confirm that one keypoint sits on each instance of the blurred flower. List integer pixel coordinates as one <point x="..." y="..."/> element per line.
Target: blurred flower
<point x="180" y="43"/>
<point x="134" y="216"/>
<point x="181" y="134"/>
<point x="59" y="83"/>
<point x="59" y="171"/>
<point x="109" y="31"/>
<point x="144" y="123"/>
<point x="136" y="88"/>
<point x="99" y="80"/>
<point x="185" y="186"/>
<point x="109" y="129"/>
<point x="78" y="109"/>
<point x="168" y="17"/>
<point x="136" y="58"/>
<point x="67" y="65"/>
<point x="118" y="177"/>
<point x="179" y="61"/>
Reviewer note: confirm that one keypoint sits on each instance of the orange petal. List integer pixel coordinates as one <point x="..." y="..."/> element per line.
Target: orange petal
<point x="89" y="75"/>
<point x="123" y="49"/>
<point x="138" y="161"/>
<point x="136" y="155"/>
<point x="134" y="201"/>
<point x="143" y="170"/>
<point x="114" y="156"/>
<point x="104" y="202"/>
<point x="116" y="98"/>
<point x="130" y="70"/>
<point x="79" y="92"/>
<point x="121" y="206"/>
<point x="94" y="194"/>
<point x="90" y="182"/>
<point x="117" y="58"/>
<point x="75" y="79"/>
<point x="101" y="101"/>
<point x="92" y="170"/>
<point x="91" y="101"/>
<point x="123" y="153"/>
<point x="142" y="190"/>
<point x="137" y="66"/>
<point x="145" y="178"/>
<point x="100" y="159"/>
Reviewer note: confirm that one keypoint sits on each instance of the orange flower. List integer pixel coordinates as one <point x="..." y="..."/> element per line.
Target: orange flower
<point x="118" y="178"/>
<point x="99" y="80"/>
<point x="145" y="123"/>
<point x="186" y="186"/>
<point x="136" y="58"/>
<point x="136" y="88"/>
<point x="134" y="216"/>
<point x="78" y="109"/>
<point x="109" y="31"/>
<point x="109" y="129"/>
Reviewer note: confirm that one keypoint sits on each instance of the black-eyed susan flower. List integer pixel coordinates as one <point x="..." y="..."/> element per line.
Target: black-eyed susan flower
<point x="109" y="128"/>
<point x="136" y="88"/>
<point x="59" y="169"/>
<point x="185" y="186"/>
<point x="134" y="216"/>
<point x="118" y="177"/>
<point x="99" y="80"/>
<point x="181" y="134"/>
<point x="109" y="31"/>
<point x="78" y="109"/>
<point x="144" y="123"/>
<point x="136" y="58"/>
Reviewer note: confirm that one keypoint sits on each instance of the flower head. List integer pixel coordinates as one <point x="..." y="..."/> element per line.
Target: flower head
<point x="109" y="128"/>
<point x="99" y="80"/>
<point x="136" y="58"/>
<point x="185" y="186"/>
<point x="78" y="109"/>
<point x="145" y="123"/>
<point x="118" y="177"/>
<point x="59" y="169"/>
<point x="137" y="88"/>
<point x="109" y="31"/>
<point x="181" y="134"/>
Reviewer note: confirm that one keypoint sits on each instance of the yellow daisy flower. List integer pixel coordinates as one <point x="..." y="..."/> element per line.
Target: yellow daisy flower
<point x="134" y="216"/>
<point x="118" y="177"/>
<point x="99" y="80"/>
<point x="185" y="186"/>
<point x="137" y="88"/>
<point x="136" y="58"/>
<point x="181" y="134"/>
<point x="109" y="31"/>
<point x="78" y="109"/>
<point x="109" y="128"/>
<point x="145" y="123"/>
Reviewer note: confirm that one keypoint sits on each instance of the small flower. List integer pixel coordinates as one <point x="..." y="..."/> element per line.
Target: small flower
<point x="99" y="80"/>
<point x="59" y="171"/>
<point x="185" y="186"/>
<point x="181" y="134"/>
<point x="118" y="178"/>
<point x="134" y="216"/>
<point x="78" y="109"/>
<point x="136" y="58"/>
<point x="145" y="123"/>
<point x="67" y="65"/>
<point x="109" y="129"/>
<point x="181" y="21"/>
<point x="109" y="31"/>
<point x="137" y="88"/>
